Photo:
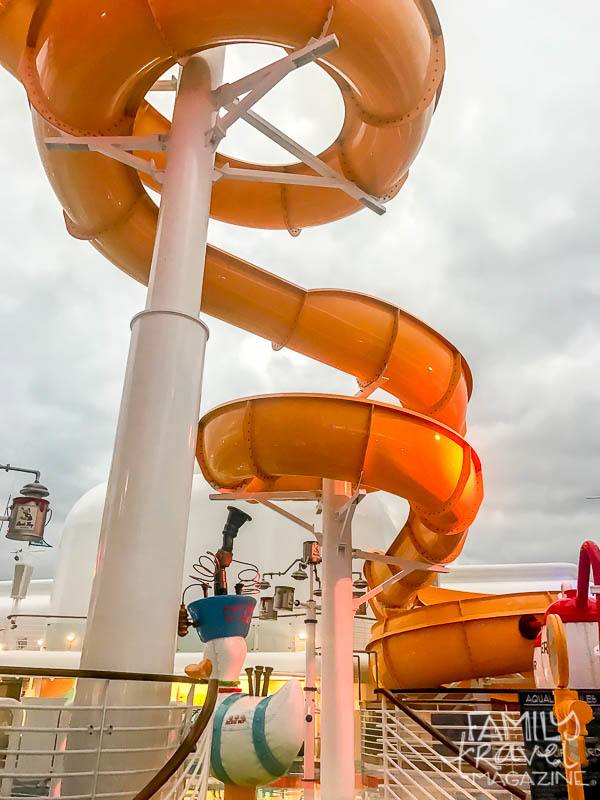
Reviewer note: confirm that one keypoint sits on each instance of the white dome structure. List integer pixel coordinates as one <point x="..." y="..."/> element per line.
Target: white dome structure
<point x="77" y="554"/>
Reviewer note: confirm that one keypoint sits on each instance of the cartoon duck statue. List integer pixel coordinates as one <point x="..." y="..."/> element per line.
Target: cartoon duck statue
<point x="255" y="738"/>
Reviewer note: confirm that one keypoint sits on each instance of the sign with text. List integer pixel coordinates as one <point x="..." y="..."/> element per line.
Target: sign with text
<point x="543" y="746"/>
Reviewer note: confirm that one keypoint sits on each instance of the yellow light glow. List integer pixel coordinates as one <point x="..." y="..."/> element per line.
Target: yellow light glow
<point x="70" y="637"/>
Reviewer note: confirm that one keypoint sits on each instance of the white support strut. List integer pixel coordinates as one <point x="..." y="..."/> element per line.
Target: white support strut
<point x="227" y="494"/>
<point x="155" y="143"/>
<point x="119" y="148"/>
<point x="406" y="568"/>
<point x="272" y="176"/>
<point x="257" y="85"/>
<point x="266" y="499"/>
<point x="382" y="558"/>
<point x="292" y="517"/>
<point x="237" y="99"/>
<point x="319" y="166"/>
<point x="165" y="85"/>
<point x="366" y="391"/>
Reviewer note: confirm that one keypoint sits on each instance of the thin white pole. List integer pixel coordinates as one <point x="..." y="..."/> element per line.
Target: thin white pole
<point x="386" y="764"/>
<point x="337" y="666"/>
<point x="310" y="682"/>
<point x="136" y="592"/>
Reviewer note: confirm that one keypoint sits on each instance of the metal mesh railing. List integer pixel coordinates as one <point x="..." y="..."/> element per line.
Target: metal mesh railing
<point x="81" y="737"/>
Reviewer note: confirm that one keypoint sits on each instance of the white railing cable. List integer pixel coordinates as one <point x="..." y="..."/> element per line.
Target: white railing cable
<point x="413" y="768"/>
<point x="100" y="740"/>
<point x="450" y="782"/>
<point x="36" y="756"/>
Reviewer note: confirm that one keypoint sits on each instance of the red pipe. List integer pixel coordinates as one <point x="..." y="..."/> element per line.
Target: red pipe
<point x="589" y="561"/>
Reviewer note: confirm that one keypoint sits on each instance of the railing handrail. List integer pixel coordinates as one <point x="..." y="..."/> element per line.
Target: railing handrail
<point x="457" y="690"/>
<point x="481" y="766"/>
<point x="187" y="746"/>
<point x="45" y="616"/>
<point x="101" y="674"/>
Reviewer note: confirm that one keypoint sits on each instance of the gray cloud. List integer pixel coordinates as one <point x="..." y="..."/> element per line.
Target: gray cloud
<point x="493" y="241"/>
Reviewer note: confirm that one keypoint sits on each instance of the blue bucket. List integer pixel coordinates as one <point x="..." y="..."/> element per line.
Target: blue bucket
<point x="222" y="616"/>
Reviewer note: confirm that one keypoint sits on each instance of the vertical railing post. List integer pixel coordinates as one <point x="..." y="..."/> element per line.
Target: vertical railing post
<point x="100" y="740"/>
<point x="384" y="736"/>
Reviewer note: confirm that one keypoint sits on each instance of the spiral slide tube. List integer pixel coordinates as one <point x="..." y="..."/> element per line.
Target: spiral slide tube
<point x="86" y="68"/>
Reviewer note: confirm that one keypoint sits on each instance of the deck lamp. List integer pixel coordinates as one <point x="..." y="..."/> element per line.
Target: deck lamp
<point x="28" y="515"/>
<point x="360" y="582"/>
<point x="299" y="574"/>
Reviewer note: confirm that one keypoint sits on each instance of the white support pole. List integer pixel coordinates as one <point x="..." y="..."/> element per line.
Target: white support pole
<point x="310" y="681"/>
<point x="337" y="666"/>
<point x="136" y="592"/>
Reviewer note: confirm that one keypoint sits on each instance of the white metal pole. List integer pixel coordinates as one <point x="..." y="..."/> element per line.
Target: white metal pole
<point x="133" y="609"/>
<point x="310" y="682"/>
<point x="384" y="736"/>
<point x="337" y="667"/>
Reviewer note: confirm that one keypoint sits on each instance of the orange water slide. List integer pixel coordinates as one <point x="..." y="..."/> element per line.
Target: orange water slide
<point x="87" y="67"/>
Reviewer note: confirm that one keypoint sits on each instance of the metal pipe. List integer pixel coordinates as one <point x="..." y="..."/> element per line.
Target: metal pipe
<point x="144" y="527"/>
<point x="258" y="671"/>
<point x="250" y="674"/>
<point x="10" y="468"/>
<point x="337" y="669"/>
<point x="266" y="681"/>
<point x="310" y="682"/>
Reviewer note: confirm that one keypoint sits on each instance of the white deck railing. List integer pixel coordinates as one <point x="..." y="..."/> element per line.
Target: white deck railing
<point x="77" y="750"/>
<point x="414" y="766"/>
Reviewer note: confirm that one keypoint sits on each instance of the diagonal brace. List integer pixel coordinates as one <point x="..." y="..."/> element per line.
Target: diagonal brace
<point x="347" y="510"/>
<point x="155" y="143"/>
<point x="116" y="147"/>
<point x="314" y="162"/>
<point x="407" y="568"/>
<point x="258" y="84"/>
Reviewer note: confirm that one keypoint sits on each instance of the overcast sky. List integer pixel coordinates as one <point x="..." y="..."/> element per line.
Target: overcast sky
<point x="494" y="241"/>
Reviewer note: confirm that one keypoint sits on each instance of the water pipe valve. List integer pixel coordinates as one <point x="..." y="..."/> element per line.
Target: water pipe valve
<point x="183" y="621"/>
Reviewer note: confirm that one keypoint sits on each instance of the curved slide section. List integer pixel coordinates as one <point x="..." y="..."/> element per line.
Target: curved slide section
<point x="415" y="450"/>
<point x="457" y="639"/>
